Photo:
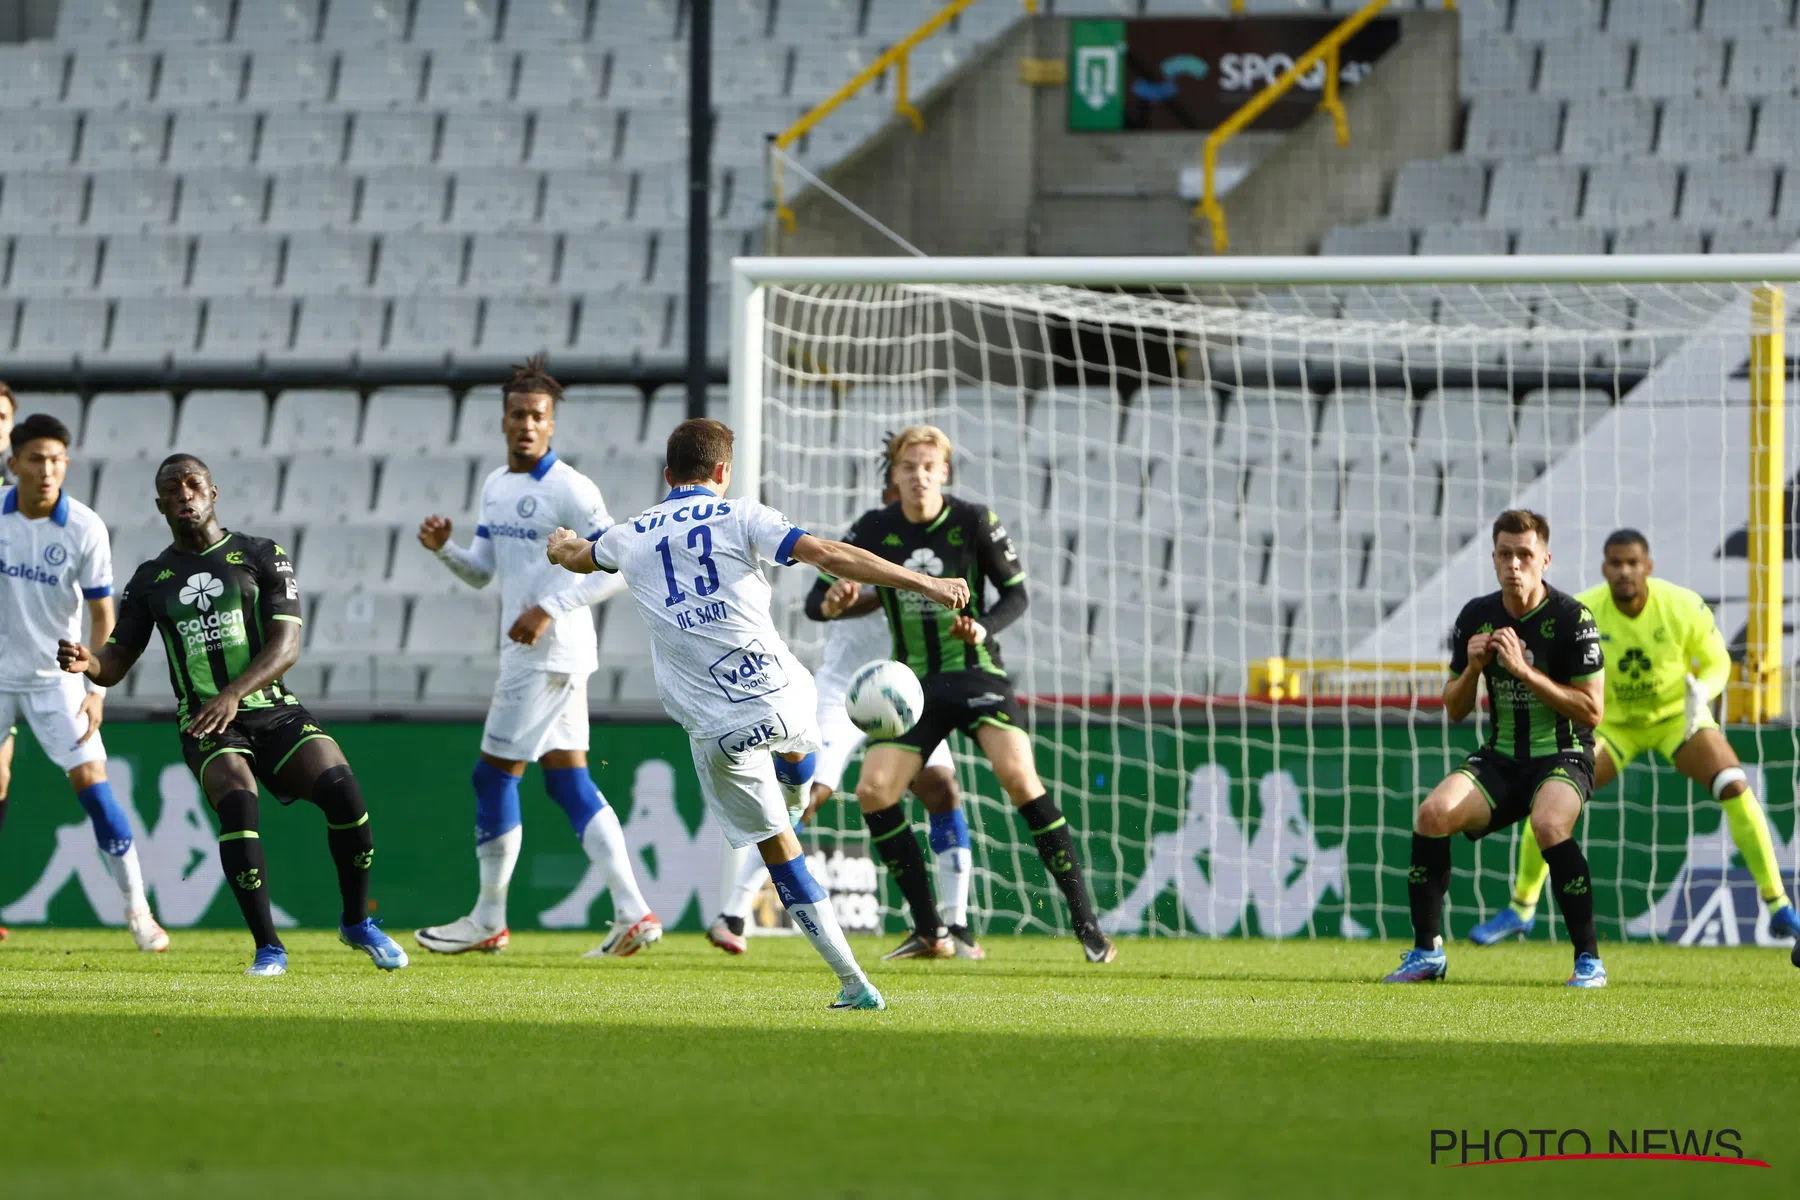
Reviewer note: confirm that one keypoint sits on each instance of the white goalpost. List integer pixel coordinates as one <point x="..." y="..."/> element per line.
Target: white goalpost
<point x="1250" y="495"/>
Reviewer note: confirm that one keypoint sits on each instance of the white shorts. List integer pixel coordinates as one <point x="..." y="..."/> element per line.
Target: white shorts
<point x="54" y="714"/>
<point x="842" y="739"/>
<point x="535" y="712"/>
<point x="737" y="777"/>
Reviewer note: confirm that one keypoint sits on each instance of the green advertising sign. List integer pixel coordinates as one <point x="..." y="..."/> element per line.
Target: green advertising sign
<point x="1096" y="76"/>
<point x="1219" y="829"/>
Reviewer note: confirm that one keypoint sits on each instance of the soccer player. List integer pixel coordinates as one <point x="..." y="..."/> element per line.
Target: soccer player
<point x="966" y="686"/>
<point x="227" y="607"/>
<point x="540" y="707"/>
<point x="854" y="638"/>
<point x="54" y="557"/>
<point x="694" y="566"/>
<point x="9" y="408"/>
<point x="1669" y="663"/>
<point x="1540" y="653"/>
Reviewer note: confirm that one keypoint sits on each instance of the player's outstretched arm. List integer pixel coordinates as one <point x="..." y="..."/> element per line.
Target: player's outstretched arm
<point x="572" y="552"/>
<point x="859" y="566"/>
<point x="105" y="666"/>
<point x="474" y="566"/>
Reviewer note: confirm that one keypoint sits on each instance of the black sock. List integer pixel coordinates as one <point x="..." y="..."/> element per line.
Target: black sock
<point x="1056" y="846"/>
<point x="1426" y="882"/>
<point x="893" y="838"/>
<point x="1574" y="893"/>
<point x="352" y="841"/>
<point x="241" y="854"/>
<point x="735" y="924"/>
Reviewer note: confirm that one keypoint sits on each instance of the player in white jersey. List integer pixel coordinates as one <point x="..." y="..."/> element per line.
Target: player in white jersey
<point x="856" y="636"/>
<point x="694" y="564"/>
<point x="54" y="557"/>
<point x="9" y="408"/>
<point x="540" y="707"/>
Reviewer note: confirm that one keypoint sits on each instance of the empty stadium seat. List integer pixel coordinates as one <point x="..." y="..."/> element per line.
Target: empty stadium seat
<point x="1744" y="17"/>
<point x="126" y="201"/>
<point x="321" y="263"/>
<point x="248" y="487"/>
<point x="393" y="139"/>
<point x="521" y="326"/>
<point x="379" y="77"/>
<point x="1583" y="65"/>
<point x="454" y="22"/>
<point x="1532" y="194"/>
<point x="99" y="21"/>
<point x="407" y="421"/>
<point x="353" y="555"/>
<point x="470" y="77"/>
<point x="510" y="263"/>
<point x="236" y="263"/>
<point x="273" y="22"/>
<point x="1636" y="193"/>
<point x="1765" y="65"/>
<point x="561" y="74"/>
<point x="31" y="74"/>
<point x="414" y="487"/>
<point x="37" y="139"/>
<point x="461" y="684"/>
<point x="1728" y="194"/>
<point x="329" y="328"/>
<point x="201" y="77"/>
<point x="319" y="421"/>
<point x="468" y="620"/>
<point x="1704" y="128"/>
<point x="302" y="139"/>
<point x="356" y="622"/>
<point x="42" y="201"/>
<point x="1610" y="128"/>
<point x="147" y="334"/>
<point x="318" y="489"/>
<point x="576" y="137"/>
<point x="54" y="266"/>
<point x="360" y="22"/>
<point x="55" y="333"/>
<point x="110" y="78"/>
<point x="291" y="77"/>
<point x="1679" y="65"/>
<point x="495" y="201"/>
<point x="222" y="422"/>
<point x="546" y="22"/>
<point x="212" y="139"/>
<point x="1443" y="190"/>
<point x="244" y="331"/>
<point x="128" y="425"/>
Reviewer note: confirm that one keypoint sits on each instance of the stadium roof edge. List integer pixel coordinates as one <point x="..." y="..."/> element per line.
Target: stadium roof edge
<point x="1289" y="270"/>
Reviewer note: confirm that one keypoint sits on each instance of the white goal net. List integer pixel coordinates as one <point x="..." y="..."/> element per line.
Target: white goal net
<point x="1250" y="498"/>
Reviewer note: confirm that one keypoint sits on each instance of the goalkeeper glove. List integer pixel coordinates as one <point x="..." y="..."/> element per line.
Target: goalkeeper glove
<point x="1696" y="706"/>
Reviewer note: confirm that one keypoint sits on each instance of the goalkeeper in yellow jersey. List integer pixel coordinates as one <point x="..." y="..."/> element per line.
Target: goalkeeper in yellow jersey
<point x="1666" y="662"/>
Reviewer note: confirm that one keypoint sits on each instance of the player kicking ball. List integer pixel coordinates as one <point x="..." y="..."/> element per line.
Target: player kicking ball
<point x="856" y="636"/>
<point x="694" y="566"/>
<point x="957" y="660"/>
<point x="54" y="558"/>
<point x="1540" y="653"/>
<point x="1669" y="663"/>
<point x="227" y="607"/>
<point x="540" y="707"/>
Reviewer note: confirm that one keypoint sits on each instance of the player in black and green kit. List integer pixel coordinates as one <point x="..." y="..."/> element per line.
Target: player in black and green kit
<point x="228" y="609"/>
<point x="966" y="688"/>
<point x="1539" y="651"/>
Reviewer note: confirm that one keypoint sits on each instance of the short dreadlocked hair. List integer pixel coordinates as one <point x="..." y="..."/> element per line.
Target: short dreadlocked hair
<point x="532" y="377"/>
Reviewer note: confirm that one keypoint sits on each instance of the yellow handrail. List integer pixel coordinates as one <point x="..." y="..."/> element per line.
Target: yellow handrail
<point x="896" y="57"/>
<point x="1327" y="51"/>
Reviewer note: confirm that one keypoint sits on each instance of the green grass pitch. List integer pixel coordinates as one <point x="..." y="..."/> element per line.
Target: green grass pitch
<point x="1187" y="1069"/>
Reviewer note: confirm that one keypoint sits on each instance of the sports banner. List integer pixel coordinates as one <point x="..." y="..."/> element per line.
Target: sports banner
<point x="1259" y="827"/>
<point x="1192" y="73"/>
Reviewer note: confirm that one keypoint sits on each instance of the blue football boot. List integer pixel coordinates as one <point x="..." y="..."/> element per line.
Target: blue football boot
<point x="1784" y="922"/>
<point x="1420" y="966"/>
<point x="366" y="936"/>
<point x="1590" y="972"/>
<point x="270" y="960"/>
<point x="1503" y="924"/>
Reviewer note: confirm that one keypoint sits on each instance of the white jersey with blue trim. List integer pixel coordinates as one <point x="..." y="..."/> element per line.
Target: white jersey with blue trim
<point x="48" y="567"/>
<point x="519" y="512"/>
<point x="694" y="564"/>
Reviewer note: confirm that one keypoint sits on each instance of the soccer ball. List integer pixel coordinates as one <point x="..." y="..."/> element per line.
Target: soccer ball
<point x="885" y="699"/>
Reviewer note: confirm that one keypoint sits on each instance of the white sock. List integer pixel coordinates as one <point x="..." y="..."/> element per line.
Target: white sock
<point x="605" y="844"/>
<point x="955" y="868"/>
<point x="810" y="907"/>
<point x="129" y="876"/>
<point x="740" y="879"/>
<point x="496" y="858"/>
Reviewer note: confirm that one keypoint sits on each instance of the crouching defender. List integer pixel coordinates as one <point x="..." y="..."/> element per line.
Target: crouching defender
<point x="228" y="609"/>
<point x="1540" y="653"/>
<point x="1669" y="665"/>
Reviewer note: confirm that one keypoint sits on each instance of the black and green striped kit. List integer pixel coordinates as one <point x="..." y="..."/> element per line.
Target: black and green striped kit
<point x="1561" y="641"/>
<point x="214" y="610"/>
<point x="964" y="540"/>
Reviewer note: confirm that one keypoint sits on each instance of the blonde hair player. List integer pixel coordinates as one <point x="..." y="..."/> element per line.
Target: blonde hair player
<point x="694" y="564"/>
<point x="957" y="658"/>
<point x="1669" y="663"/>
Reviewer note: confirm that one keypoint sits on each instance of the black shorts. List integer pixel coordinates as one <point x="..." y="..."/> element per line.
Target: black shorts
<point x="1511" y="784"/>
<point x="964" y="700"/>
<point x="267" y="736"/>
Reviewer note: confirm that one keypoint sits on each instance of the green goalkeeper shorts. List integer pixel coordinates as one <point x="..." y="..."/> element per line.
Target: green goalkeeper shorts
<point x="1625" y="742"/>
